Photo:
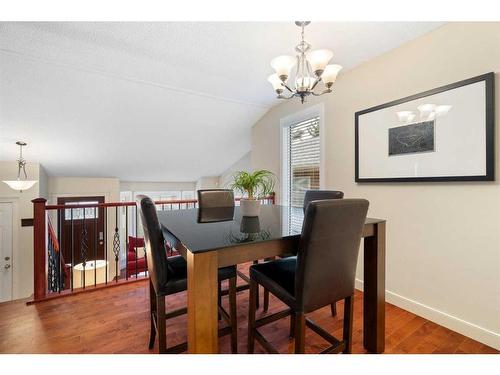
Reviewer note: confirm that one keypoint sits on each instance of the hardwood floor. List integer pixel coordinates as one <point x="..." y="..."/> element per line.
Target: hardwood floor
<point x="115" y="320"/>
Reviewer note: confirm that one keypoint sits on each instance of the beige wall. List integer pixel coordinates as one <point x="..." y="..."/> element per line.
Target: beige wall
<point x="22" y="257"/>
<point x="243" y="164"/>
<point x="83" y="186"/>
<point x="443" y="239"/>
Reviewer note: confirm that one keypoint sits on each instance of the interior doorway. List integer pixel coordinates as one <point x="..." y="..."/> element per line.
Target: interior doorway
<point x="6" y="270"/>
<point x="81" y="230"/>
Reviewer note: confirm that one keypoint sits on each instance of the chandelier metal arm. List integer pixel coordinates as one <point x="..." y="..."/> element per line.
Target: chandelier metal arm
<point x="288" y="88"/>
<point x="326" y="91"/>
<point x="281" y="96"/>
<point x="21" y="166"/>
<point x="318" y="79"/>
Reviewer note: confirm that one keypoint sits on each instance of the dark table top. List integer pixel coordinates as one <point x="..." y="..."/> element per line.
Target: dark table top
<point x="215" y="228"/>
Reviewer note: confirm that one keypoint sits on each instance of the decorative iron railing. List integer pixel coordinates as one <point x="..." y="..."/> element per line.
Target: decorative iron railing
<point x="55" y="275"/>
<point x="89" y="246"/>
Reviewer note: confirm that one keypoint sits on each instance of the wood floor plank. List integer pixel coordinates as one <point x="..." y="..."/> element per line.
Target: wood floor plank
<point x="116" y="320"/>
<point x="449" y="341"/>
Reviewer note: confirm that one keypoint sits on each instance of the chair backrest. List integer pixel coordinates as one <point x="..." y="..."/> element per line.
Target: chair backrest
<point x="317" y="195"/>
<point x="328" y="251"/>
<point x="211" y="198"/>
<point x="215" y="214"/>
<point x="155" y="244"/>
<point x="134" y="243"/>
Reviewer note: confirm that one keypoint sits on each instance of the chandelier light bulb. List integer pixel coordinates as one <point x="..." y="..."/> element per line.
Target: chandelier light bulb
<point x="274" y="80"/>
<point x="20" y="185"/>
<point x="330" y="74"/>
<point x="283" y="65"/>
<point x="319" y="59"/>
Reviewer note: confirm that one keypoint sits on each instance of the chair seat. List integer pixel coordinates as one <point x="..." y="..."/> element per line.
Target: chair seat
<point x="227" y="273"/>
<point x="140" y="264"/>
<point x="177" y="282"/>
<point x="277" y="276"/>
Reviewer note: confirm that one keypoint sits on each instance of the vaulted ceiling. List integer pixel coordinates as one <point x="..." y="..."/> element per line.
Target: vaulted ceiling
<point x="141" y="101"/>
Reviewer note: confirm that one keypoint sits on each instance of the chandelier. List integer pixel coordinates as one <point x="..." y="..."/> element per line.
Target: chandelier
<point x="21" y="184"/>
<point x="311" y="69"/>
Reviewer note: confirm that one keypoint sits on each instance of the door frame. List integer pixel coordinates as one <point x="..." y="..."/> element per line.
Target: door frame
<point x="60" y="217"/>
<point x="14" y="201"/>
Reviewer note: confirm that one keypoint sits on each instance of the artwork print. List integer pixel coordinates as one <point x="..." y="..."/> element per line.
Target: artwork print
<point x="442" y="134"/>
<point x="412" y="138"/>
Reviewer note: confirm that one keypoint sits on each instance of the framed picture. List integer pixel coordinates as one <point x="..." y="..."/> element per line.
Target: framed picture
<point x="444" y="134"/>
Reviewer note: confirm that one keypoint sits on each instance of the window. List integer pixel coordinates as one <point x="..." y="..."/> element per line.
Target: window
<point x="166" y="196"/>
<point x="78" y="213"/>
<point x="301" y="161"/>
<point x="188" y="194"/>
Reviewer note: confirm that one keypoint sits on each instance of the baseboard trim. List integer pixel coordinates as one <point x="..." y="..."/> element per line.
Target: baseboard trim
<point x="463" y="327"/>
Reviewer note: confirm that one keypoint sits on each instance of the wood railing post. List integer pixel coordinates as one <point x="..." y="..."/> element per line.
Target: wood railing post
<point x="39" y="248"/>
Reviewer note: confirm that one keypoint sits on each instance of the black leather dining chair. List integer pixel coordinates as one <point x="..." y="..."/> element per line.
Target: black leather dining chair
<point x="215" y="198"/>
<point x="322" y="273"/>
<point x="316" y="195"/>
<point x="224" y="198"/>
<point x="319" y="195"/>
<point x="168" y="275"/>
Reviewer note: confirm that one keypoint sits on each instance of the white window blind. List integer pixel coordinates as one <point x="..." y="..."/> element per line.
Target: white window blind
<point x="303" y="159"/>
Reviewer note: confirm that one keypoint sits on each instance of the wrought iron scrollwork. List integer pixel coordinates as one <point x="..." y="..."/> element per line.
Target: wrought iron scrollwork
<point x="84" y="248"/>
<point x="55" y="280"/>
<point x="116" y="244"/>
<point x="55" y="273"/>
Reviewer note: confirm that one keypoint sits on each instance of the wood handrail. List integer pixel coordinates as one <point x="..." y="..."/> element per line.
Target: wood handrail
<point x="114" y="204"/>
<point x="128" y="204"/>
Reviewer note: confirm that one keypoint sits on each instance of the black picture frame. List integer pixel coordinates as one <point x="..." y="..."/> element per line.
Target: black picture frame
<point x="489" y="79"/>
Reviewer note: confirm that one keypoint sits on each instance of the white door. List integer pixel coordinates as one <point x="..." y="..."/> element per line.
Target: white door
<point x="5" y="252"/>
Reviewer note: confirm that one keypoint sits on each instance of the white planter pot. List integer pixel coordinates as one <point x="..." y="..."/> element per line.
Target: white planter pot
<point x="250" y="207"/>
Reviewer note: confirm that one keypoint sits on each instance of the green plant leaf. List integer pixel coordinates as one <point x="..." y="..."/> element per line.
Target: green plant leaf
<point x="254" y="185"/>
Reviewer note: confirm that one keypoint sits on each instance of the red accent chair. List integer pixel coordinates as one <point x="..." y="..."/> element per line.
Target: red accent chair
<point x="136" y="244"/>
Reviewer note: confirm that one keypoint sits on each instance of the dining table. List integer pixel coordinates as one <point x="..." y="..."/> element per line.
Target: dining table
<point x="213" y="238"/>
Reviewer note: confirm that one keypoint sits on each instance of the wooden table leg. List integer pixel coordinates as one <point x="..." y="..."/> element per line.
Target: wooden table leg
<point x="202" y="302"/>
<point x="374" y="291"/>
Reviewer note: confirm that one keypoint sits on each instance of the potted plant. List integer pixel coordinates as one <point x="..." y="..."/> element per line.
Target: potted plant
<point x="254" y="186"/>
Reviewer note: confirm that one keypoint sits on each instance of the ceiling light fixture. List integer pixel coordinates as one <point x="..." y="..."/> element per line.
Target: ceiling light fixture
<point x="19" y="184"/>
<point x="311" y="68"/>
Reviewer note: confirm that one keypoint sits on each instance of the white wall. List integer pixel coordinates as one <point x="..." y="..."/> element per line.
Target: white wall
<point x="22" y="257"/>
<point x="243" y="164"/>
<point x="207" y="182"/>
<point x="43" y="183"/>
<point x="443" y="239"/>
<point x="156" y="186"/>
